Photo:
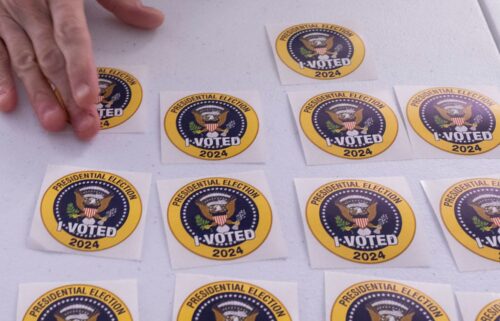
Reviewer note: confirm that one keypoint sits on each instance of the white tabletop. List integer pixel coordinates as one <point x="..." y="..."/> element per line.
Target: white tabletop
<point x="221" y="44"/>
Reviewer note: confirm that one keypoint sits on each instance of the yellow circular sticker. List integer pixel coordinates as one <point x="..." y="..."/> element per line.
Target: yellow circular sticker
<point x="220" y="218"/>
<point x="91" y="210"/>
<point x="78" y="302"/>
<point x="120" y="96"/>
<point x="349" y="124"/>
<point x="211" y="126"/>
<point x="361" y="221"/>
<point x="458" y="121"/>
<point x="491" y="312"/>
<point x="470" y="210"/>
<point x="320" y="50"/>
<point x="232" y="300"/>
<point x="385" y="300"/>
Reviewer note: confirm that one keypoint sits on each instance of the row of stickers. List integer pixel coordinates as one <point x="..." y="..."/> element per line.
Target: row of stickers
<point x="348" y="222"/>
<point x="201" y="298"/>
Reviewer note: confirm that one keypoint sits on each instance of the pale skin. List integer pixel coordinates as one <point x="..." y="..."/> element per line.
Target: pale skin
<point x="46" y="44"/>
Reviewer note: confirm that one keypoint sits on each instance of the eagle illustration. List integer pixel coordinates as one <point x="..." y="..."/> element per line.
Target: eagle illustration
<point x="359" y="214"/>
<point x="488" y="209"/>
<point x="375" y="316"/>
<point x="211" y="121"/>
<point x="92" y="201"/>
<point x="347" y="121"/>
<point x="106" y="89"/>
<point x="92" y="317"/>
<point x="234" y="311"/>
<point x="389" y="310"/>
<point x="218" y="209"/>
<point x="457" y="116"/>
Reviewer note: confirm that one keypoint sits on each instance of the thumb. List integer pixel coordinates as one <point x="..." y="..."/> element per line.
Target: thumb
<point x="134" y="13"/>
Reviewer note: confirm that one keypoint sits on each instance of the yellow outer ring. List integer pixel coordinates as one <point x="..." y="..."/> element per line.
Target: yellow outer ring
<point x="134" y="103"/>
<point x="50" y="223"/>
<point x="356" y="60"/>
<point x="125" y="317"/>
<point x="454" y="228"/>
<point x="413" y="110"/>
<point x="339" y="312"/>
<point x="186" y="313"/>
<point x="405" y="238"/>
<point x="391" y="130"/>
<point x="485" y="310"/>
<point x="172" y="132"/>
<point x="186" y="240"/>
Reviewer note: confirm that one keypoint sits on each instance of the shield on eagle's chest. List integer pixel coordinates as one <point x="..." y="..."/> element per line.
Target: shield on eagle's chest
<point x="320" y="51"/>
<point x="458" y="121"/>
<point x="350" y="125"/>
<point x="361" y="222"/>
<point x="211" y="127"/>
<point x="496" y="220"/>
<point x="90" y="212"/>
<point x="220" y="219"/>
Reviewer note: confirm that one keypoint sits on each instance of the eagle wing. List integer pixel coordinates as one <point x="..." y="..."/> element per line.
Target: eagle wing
<point x="94" y="316"/>
<point x="358" y="116"/>
<point x="480" y="211"/>
<point x="372" y="211"/>
<point x="307" y="44"/>
<point x="335" y="118"/>
<point x="408" y="317"/>
<point x="79" y="201"/>
<point x="442" y="112"/>
<point x="222" y="118"/>
<point x="104" y="204"/>
<point x="374" y="316"/>
<point x="468" y="112"/>
<point x="253" y="316"/>
<point x="205" y="211"/>
<point x="329" y="43"/>
<point x="108" y="91"/>
<point x="231" y="207"/>
<point x="218" y="315"/>
<point x="345" y="212"/>
<point x="59" y="318"/>
<point x="197" y="117"/>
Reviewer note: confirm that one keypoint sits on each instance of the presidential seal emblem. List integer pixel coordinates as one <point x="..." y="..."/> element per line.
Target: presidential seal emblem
<point x="458" y="121"/>
<point x="320" y="50"/>
<point x="91" y="210"/>
<point x="491" y="312"/>
<point x="120" y="95"/>
<point x="220" y="218"/>
<point x="211" y="126"/>
<point x="361" y="221"/>
<point x="470" y="210"/>
<point x="232" y="301"/>
<point x="349" y="124"/>
<point x="78" y="302"/>
<point x="385" y="301"/>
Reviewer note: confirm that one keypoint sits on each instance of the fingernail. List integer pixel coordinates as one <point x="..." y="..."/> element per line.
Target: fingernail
<point x="82" y="92"/>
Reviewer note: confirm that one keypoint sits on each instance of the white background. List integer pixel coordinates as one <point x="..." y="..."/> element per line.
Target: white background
<point x="223" y="44"/>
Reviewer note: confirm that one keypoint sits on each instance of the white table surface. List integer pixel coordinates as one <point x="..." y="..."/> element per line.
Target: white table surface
<point x="221" y="44"/>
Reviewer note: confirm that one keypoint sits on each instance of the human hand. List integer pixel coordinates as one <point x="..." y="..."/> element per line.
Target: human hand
<point x="46" y="43"/>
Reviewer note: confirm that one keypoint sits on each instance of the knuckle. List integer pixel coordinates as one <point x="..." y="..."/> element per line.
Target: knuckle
<point x="70" y="31"/>
<point x="24" y="61"/>
<point x="51" y="61"/>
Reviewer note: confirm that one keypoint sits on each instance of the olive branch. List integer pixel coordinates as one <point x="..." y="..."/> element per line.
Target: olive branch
<point x="332" y="127"/>
<point x="480" y="224"/>
<point x="341" y="223"/>
<point x="195" y="129"/>
<point x="202" y="223"/>
<point x="72" y="211"/>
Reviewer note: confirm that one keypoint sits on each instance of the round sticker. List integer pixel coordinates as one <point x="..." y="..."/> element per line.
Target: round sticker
<point x="458" y="121"/>
<point x="232" y="300"/>
<point x="491" y="312"/>
<point x="383" y="300"/>
<point x="120" y="95"/>
<point x="349" y="124"/>
<point x="361" y="221"/>
<point x="320" y="50"/>
<point x="91" y="210"/>
<point x="211" y="126"/>
<point x="78" y="302"/>
<point x="470" y="210"/>
<point x="220" y="218"/>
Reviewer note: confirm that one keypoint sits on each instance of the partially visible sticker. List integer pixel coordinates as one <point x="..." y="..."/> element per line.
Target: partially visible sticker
<point x="120" y="96"/>
<point x="212" y="298"/>
<point x="490" y="312"/>
<point x="479" y="306"/>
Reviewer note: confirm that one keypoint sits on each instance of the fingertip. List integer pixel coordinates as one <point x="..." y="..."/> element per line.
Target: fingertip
<point x="87" y="126"/>
<point x="85" y="94"/>
<point x="54" y="120"/>
<point x="8" y="99"/>
<point x="156" y="18"/>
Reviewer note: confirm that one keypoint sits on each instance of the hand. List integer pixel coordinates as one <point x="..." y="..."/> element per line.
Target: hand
<point x="46" y="43"/>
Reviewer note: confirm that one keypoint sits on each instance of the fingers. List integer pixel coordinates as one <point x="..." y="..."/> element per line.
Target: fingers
<point x="22" y="57"/>
<point x="8" y="94"/>
<point x="73" y="39"/>
<point x="134" y="13"/>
